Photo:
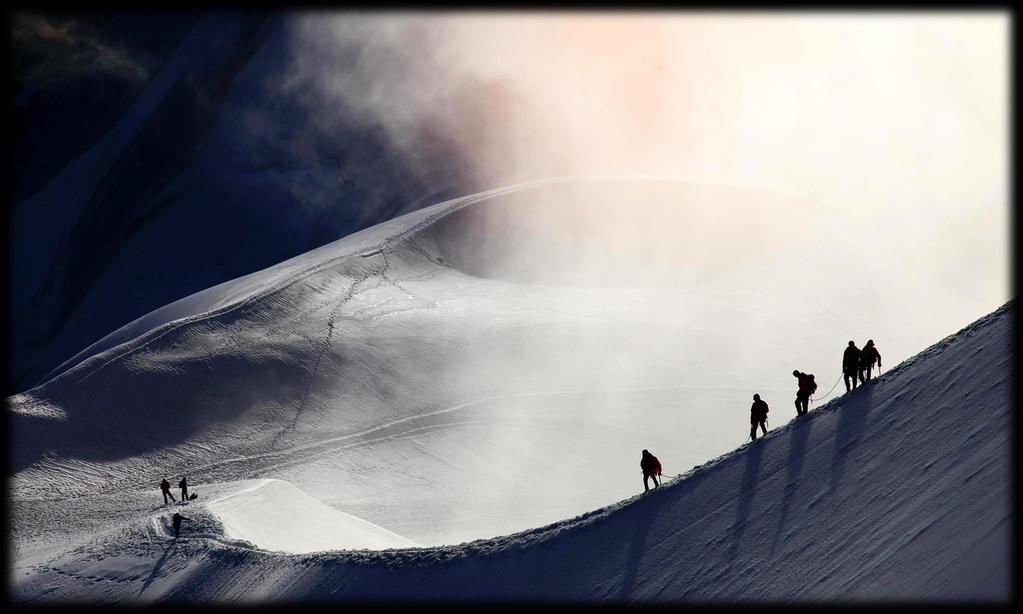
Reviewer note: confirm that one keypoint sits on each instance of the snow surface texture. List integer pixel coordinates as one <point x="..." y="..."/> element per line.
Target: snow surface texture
<point x="378" y="377"/>
<point x="897" y="491"/>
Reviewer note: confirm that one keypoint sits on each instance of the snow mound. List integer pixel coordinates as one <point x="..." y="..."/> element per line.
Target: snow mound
<point x="275" y="515"/>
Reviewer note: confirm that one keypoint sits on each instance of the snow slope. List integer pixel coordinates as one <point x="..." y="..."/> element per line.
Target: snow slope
<point x="396" y="378"/>
<point x="449" y="375"/>
<point x="897" y="491"/>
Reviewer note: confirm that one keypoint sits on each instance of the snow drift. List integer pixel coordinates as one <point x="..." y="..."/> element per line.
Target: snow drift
<point x="275" y="515"/>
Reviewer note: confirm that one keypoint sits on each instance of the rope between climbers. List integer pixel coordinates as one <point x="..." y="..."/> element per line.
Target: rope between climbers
<point x="830" y="391"/>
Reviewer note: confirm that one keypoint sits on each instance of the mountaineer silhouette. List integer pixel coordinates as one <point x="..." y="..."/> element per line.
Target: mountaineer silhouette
<point x="165" y="487"/>
<point x="868" y="357"/>
<point x="850" y="365"/>
<point x="757" y="416"/>
<point x="806" y="387"/>
<point x="176" y="521"/>
<point x="651" y="469"/>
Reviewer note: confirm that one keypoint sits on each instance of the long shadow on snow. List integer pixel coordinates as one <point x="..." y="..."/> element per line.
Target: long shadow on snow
<point x="746" y="491"/>
<point x="158" y="566"/>
<point x="640" y="532"/>
<point x="794" y="469"/>
<point x="852" y="416"/>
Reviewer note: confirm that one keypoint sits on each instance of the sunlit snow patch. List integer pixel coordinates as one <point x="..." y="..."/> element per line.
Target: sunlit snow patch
<point x="275" y="515"/>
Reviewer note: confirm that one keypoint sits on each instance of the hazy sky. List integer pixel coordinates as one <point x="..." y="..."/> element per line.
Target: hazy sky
<point x="891" y="127"/>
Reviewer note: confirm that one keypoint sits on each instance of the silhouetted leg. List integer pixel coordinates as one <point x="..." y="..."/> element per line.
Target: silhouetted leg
<point x="656" y="481"/>
<point x="646" y="484"/>
<point x="802" y="405"/>
<point x="869" y="369"/>
<point x="861" y="375"/>
<point x="753" y="431"/>
<point x="164" y="497"/>
<point x="763" y="427"/>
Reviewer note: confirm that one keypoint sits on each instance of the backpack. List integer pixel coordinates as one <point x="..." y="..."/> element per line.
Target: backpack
<point x="813" y="384"/>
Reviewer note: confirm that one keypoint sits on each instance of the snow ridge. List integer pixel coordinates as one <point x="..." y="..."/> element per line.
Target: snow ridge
<point x="897" y="491"/>
<point x="321" y="258"/>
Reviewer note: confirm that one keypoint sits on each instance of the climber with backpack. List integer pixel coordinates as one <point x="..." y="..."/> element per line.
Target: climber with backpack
<point x="758" y="416"/>
<point x="868" y="357"/>
<point x="651" y="469"/>
<point x="807" y="386"/>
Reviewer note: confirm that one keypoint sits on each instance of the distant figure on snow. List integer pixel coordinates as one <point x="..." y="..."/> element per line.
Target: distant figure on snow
<point x="651" y="469"/>
<point x="806" y="388"/>
<point x="176" y="521"/>
<point x="165" y="487"/>
<point x="868" y="357"/>
<point x="758" y="416"/>
<point x="850" y="365"/>
<point x="183" y="485"/>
